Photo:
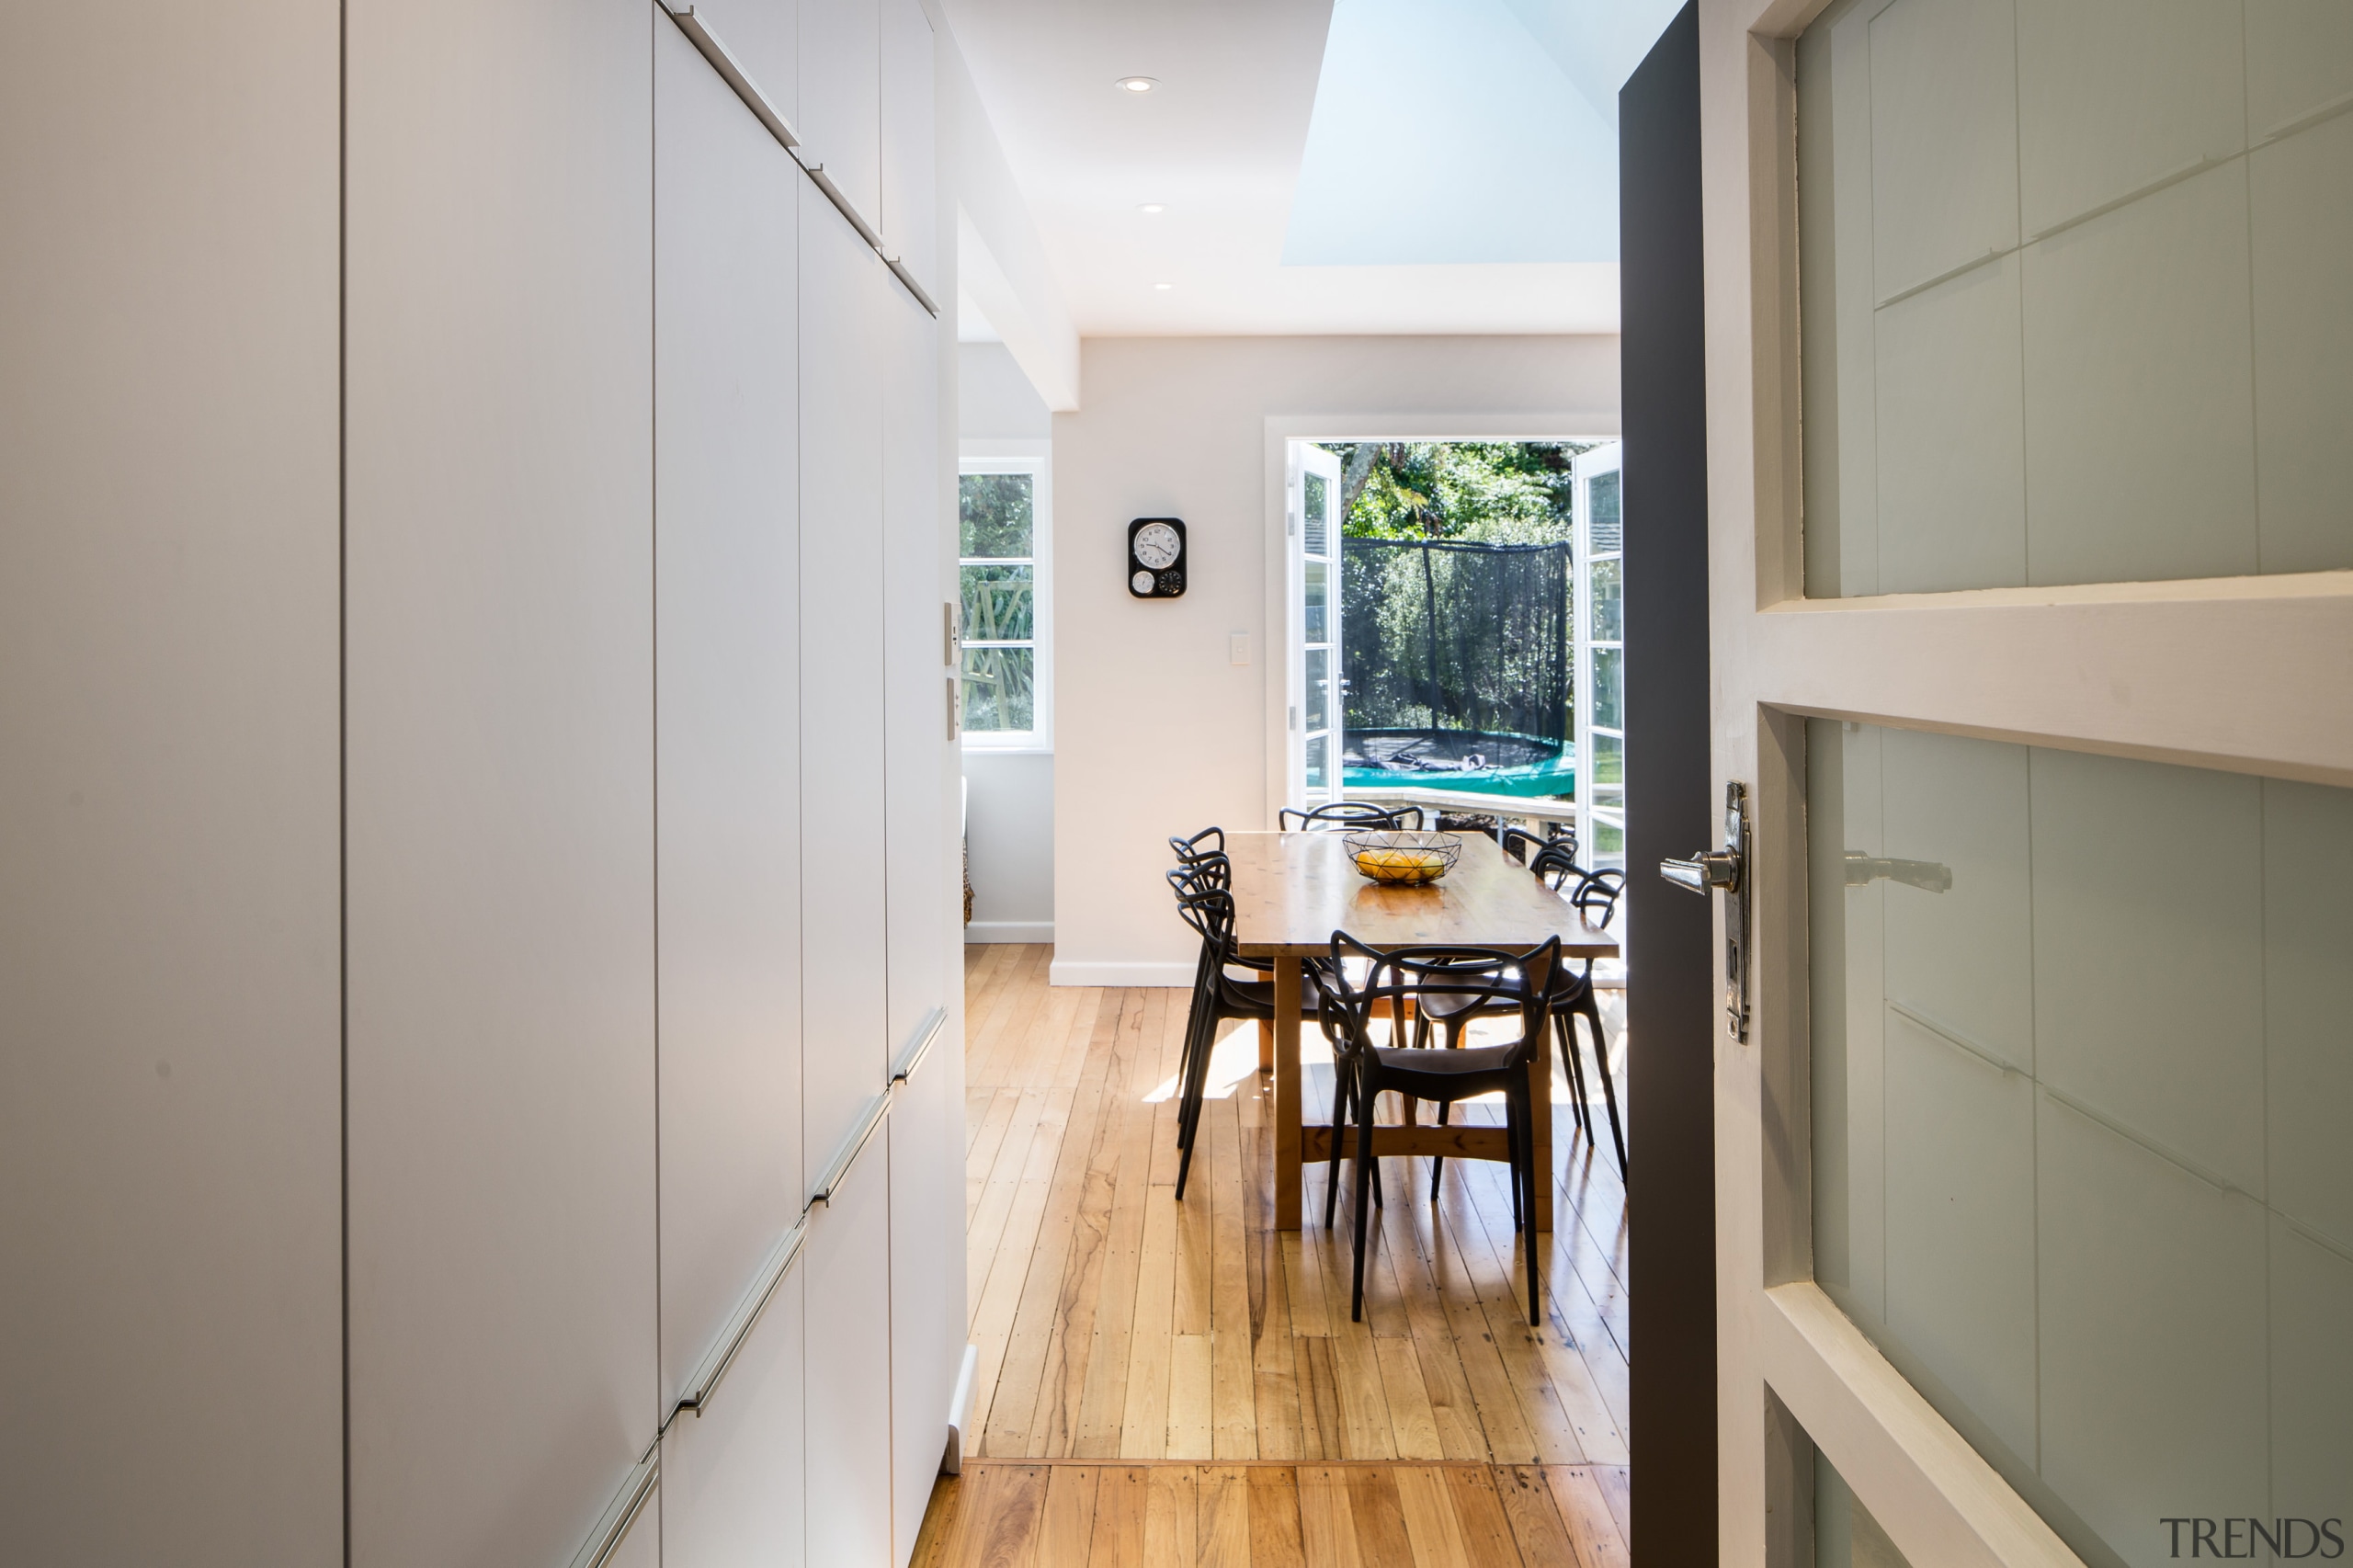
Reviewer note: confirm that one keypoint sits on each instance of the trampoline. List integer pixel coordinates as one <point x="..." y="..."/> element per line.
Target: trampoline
<point x="1457" y="660"/>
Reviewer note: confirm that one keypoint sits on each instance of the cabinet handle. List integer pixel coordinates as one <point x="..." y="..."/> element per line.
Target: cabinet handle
<point x="722" y="60"/>
<point x="920" y="1045"/>
<point x="612" y="1528"/>
<point x="852" y="1147"/>
<point x="705" y="1380"/>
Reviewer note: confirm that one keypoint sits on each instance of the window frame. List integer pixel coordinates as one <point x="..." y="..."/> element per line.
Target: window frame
<point x="1034" y="458"/>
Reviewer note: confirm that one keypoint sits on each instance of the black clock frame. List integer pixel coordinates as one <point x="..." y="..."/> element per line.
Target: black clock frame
<point x="1167" y="582"/>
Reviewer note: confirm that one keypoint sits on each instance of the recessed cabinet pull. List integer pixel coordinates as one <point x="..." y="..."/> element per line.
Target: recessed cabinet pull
<point x="920" y="1045"/>
<point x="612" y="1527"/>
<point x="704" y="1381"/>
<point x="731" y="70"/>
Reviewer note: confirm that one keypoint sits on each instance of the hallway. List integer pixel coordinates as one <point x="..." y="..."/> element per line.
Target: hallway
<point x="1118" y="1326"/>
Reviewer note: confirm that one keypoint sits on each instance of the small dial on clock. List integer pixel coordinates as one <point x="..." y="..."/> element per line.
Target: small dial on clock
<point x="1155" y="546"/>
<point x="1141" y="582"/>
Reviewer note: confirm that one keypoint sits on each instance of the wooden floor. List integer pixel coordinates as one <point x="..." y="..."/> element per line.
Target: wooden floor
<point x="1118" y="1327"/>
<point x="1011" y="1513"/>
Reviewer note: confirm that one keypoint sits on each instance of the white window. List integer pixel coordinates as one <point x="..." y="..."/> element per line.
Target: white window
<point x="1600" y="658"/>
<point x="1005" y="512"/>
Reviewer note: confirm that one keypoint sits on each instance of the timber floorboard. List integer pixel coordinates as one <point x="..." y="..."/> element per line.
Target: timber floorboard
<point x="1166" y="1383"/>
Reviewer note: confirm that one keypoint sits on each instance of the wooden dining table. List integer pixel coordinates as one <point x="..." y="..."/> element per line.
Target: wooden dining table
<point x="1291" y="891"/>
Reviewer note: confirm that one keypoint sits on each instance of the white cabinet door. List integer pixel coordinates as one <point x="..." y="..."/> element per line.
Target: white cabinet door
<point x="170" y="1213"/>
<point x="841" y="98"/>
<point x="843" y="289"/>
<point x="727" y="695"/>
<point x="910" y="158"/>
<point x="926" y="1169"/>
<point x="764" y="37"/>
<point x="499" y="680"/>
<point x="731" y="1475"/>
<point x="847" y="1271"/>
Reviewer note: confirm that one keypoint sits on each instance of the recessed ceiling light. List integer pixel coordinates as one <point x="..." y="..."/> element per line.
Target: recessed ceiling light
<point x="1154" y="208"/>
<point x="1164" y="286"/>
<point x="1137" y="84"/>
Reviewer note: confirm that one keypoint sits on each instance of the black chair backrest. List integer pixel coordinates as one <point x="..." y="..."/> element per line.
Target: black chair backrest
<point x="1341" y="815"/>
<point x="1209" y="841"/>
<point x="1556" y="866"/>
<point x="1211" y="873"/>
<point x="1520" y="844"/>
<point x="1596" y="896"/>
<point x="1480" y="977"/>
<point x="1210" y="912"/>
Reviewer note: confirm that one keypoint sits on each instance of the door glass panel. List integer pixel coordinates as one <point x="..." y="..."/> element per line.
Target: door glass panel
<point x="1000" y="688"/>
<point x="1609" y="514"/>
<point x="1318" y="750"/>
<point x="1608" y="762"/>
<point x="2082" y="1069"/>
<point x="1610" y="688"/>
<point x="1319" y="689"/>
<point x="2073" y="292"/>
<point x="1317" y="527"/>
<point x="994" y="514"/>
<point x="1318" y="617"/>
<point x="1608" y="609"/>
<point x="999" y="603"/>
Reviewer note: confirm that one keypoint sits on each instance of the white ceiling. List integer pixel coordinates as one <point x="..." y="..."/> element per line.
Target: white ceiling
<point x="1220" y="142"/>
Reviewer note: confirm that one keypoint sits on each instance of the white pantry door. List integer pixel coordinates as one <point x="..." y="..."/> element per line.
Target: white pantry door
<point x="2030" y="361"/>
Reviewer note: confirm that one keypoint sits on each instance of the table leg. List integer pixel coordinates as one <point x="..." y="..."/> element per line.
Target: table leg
<point x="1289" y="974"/>
<point x="1539" y="1104"/>
<point x="1265" y="1047"/>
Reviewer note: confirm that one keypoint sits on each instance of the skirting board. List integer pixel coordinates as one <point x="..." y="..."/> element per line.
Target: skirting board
<point x="982" y="932"/>
<point x="1071" y="973"/>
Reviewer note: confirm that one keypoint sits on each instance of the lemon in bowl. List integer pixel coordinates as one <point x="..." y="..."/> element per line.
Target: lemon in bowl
<point x="1402" y="858"/>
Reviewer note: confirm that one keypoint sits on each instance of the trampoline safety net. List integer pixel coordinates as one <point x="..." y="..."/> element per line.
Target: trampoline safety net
<point x="1457" y="660"/>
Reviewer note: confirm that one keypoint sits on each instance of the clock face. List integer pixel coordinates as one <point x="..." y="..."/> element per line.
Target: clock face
<point x="1155" y="546"/>
<point x="1141" y="582"/>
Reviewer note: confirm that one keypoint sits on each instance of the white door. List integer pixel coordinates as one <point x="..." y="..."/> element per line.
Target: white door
<point x="1318" y="690"/>
<point x="1598" y="612"/>
<point x="2030" y="632"/>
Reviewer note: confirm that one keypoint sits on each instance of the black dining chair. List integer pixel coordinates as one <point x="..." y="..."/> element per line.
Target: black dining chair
<point x="1341" y="816"/>
<point x="1205" y="900"/>
<point x="1362" y="1070"/>
<point x="1594" y="895"/>
<point x="1520" y="844"/>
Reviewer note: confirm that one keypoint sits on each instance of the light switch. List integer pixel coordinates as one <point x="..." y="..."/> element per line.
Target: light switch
<point x="1237" y="647"/>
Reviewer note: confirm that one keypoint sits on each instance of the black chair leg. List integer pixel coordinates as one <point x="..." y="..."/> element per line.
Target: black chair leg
<point x="1437" y="1161"/>
<point x="1515" y="1138"/>
<point x="1364" y="1194"/>
<point x="1341" y="1099"/>
<point x="1189" y="1109"/>
<point x="1527" y="1162"/>
<point x="1592" y="1011"/>
<point x="1572" y="1065"/>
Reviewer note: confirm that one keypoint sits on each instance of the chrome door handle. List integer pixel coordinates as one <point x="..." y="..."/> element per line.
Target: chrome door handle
<point x="1727" y="868"/>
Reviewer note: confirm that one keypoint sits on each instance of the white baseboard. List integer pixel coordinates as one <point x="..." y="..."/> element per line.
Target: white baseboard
<point x="1068" y="972"/>
<point x="984" y="931"/>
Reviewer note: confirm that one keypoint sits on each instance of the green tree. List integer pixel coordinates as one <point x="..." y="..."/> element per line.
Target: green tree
<point x="1484" y="492"/>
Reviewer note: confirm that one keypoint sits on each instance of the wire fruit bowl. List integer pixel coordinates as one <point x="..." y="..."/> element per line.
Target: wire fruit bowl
<point x="1403" y="860"/>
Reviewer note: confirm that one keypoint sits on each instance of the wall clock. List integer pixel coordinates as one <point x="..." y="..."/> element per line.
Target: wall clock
<point x="1156" y="558"/>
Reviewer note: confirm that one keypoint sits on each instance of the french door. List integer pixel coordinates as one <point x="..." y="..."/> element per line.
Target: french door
<point x="1318" y="685"/>
<point x="2030" y="386"/>
<point x="1598" y="613"/>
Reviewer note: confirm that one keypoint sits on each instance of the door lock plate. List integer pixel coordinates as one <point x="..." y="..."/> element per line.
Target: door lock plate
<point x="1726" y="868"/>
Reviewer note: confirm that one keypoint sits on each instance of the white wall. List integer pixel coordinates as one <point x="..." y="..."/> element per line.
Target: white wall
<point x="1009" y="828"/>
<point x="995" y="397"/>
<point x="1155" y="731"/>
<point x="1009" y="820"/>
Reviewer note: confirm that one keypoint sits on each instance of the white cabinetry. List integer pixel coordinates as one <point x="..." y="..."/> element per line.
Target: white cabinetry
<point x="909" y="211"/>
<point x="847" y="1267"/>
<point x="841" y="98"/>
<point x="727" y="696"/>
<point x="498" y="675"/>
<point x="170" y="1268"/>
